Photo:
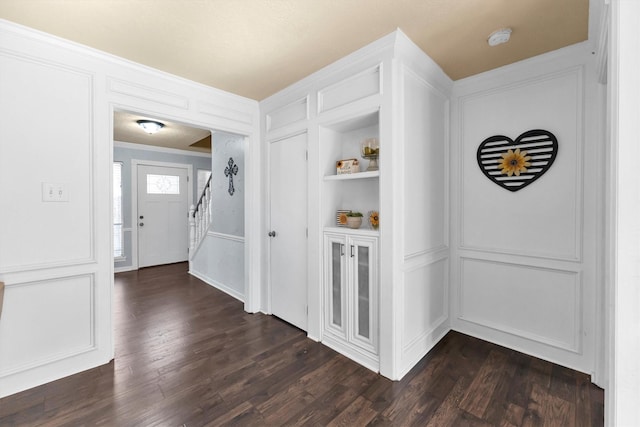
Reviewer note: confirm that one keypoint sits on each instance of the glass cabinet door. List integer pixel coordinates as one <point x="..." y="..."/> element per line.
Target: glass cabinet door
<point x="350" y="291"/>
<point x="336" y="285"/>
<point x="363" y="272"/>
<point x="363" y="320"/>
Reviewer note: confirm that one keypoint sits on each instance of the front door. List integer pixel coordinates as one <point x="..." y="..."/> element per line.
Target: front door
<point x="288" y="241"/>
<point x="163" y="226"/>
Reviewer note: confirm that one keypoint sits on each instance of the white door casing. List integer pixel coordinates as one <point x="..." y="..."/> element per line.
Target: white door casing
<point x="162" y="209"/>
<point x="288" y="213"/>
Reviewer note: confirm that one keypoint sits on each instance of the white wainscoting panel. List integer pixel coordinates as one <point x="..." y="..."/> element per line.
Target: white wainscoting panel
<point x="46" y="321"/>
<point x="425" y="112"/>
<point x="425" y="314"/>
<point x="37" y="233"/>
<point x="539" y="304"/>
<point x="220" y="263"/>
<point x="545" y="218"/>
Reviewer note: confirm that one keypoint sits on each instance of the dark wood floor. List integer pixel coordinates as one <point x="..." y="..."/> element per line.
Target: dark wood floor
<point x="187" y="355"/>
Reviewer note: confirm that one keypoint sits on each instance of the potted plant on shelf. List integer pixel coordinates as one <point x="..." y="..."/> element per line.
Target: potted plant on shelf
<point x="354" y="219"/>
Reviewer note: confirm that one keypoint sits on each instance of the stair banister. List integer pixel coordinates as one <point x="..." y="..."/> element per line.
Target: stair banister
<point x="200" y="218"/>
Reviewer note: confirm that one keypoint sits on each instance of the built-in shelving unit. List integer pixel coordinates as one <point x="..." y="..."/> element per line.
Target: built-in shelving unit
<point x="350" y="255"/>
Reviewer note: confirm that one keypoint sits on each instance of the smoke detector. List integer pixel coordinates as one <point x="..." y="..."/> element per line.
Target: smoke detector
<point x="499" y="36"/>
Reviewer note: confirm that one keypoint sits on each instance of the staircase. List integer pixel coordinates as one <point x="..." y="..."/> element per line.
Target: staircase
<point x="199" y="219"/>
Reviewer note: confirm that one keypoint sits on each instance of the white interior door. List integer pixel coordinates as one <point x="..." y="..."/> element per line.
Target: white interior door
<point x="288" y="213"/>
<point x="163" y="227"/>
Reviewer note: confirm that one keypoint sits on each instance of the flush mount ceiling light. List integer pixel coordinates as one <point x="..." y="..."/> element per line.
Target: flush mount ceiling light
<point x="150" y="126"/>
<point x="499" y="36"/>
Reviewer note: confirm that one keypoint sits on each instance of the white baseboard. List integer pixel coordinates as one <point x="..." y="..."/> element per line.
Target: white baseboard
<point x="123" y="269"/>
<point x="232" y="292"/>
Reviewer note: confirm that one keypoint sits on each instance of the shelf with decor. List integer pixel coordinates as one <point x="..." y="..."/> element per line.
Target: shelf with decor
<point x="350" y="145"/>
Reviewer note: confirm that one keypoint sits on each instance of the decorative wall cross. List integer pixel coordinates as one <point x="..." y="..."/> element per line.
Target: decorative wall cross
<point x="229" y="171"/>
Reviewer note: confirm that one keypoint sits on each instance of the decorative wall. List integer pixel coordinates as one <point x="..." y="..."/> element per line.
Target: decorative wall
<point x="545" y="218"/>
<point x="524" y="264"/>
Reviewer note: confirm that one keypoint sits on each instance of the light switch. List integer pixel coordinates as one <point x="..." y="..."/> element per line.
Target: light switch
<point x="54" y="192"/>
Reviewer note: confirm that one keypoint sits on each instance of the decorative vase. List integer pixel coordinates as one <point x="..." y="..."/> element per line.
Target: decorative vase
<point x="354" y="221"/>
<point x="370" y="149"/>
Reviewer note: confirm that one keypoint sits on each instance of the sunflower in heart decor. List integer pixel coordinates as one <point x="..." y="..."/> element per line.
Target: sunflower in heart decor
<point x="515" y="164"/>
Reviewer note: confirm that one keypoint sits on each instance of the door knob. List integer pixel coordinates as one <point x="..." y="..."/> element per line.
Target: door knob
<point x="141" y="224"/>
<point x="272" y="234"/>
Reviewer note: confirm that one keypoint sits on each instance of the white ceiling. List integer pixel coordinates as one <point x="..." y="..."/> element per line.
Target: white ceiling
<point x="255" y="48"/>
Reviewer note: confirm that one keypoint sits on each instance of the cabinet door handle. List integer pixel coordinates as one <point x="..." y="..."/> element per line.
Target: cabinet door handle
<point x="351" y="251"/>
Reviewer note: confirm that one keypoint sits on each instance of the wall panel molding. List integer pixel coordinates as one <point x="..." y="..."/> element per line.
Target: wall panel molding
<point x="424" y="158"/>
<point x="362" y="85"/>
<point x="423" y="258"/>
<point x="134" y="90"/>
<point x="521" y="298"/>
<point x="231" y="237"/>
<point x="545" y="235"/>
<point x="80" y="84"/>
<point x="46" y="361"/>
<point x="61" y="291"/>
<point x="576" y="74"/>
<point x="225" y="113"/>
<point x="153" y="148"/>
<point x="425" y="296"/>
<point x="432" y="88"/>
<point x="296" y="111"/>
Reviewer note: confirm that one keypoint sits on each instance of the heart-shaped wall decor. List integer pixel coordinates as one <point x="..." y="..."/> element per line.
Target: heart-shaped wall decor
<point x="515" y="164"/>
